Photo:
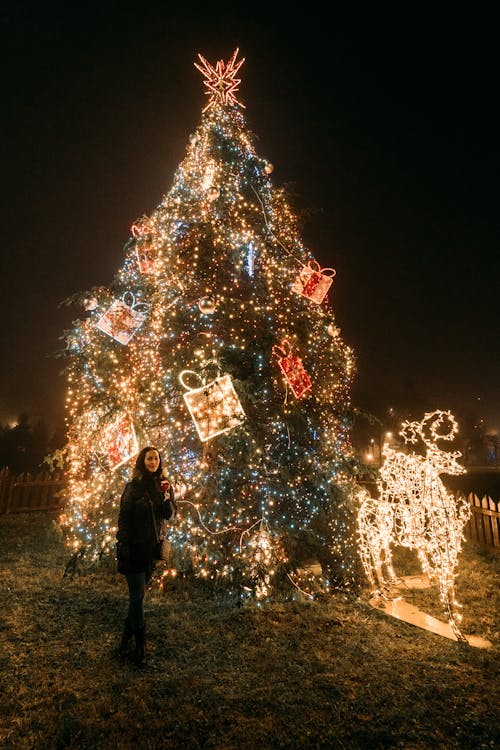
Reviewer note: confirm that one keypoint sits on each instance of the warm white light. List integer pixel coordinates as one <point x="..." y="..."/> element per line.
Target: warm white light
<point x="211" y="270"/>
<point x="215" y="407"/>
<point x="415" y="510"/>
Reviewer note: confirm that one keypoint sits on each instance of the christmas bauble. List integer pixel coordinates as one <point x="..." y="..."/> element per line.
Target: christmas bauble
<point x="90" y="304"/>
<point x="268" y="167"/>
<point x="333" y="330"/>
<point x="213" y="193"/>
<point x="206" y="305"/>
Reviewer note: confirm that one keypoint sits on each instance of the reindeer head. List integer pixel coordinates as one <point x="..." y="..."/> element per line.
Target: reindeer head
<point x="435" y="426"/>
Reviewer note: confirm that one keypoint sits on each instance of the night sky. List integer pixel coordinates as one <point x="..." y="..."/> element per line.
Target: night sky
<point x="383" y="125"/>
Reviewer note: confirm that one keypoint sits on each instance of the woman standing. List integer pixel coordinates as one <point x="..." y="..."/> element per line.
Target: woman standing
<point x="146" y="501"/>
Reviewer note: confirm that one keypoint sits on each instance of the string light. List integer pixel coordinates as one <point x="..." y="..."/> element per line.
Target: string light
<point x="415" y="510"/>
<point x="211" y="271"/>
<point x="220" y="81"/>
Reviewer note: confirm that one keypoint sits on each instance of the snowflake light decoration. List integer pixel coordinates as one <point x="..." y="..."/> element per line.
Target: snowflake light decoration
<point x="220" y="81"/>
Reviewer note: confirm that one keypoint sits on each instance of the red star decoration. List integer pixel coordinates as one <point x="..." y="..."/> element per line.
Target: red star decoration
<point x="220" y="81"/>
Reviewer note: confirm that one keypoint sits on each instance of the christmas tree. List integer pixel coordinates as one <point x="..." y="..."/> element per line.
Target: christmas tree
<point x="217" y="343"/>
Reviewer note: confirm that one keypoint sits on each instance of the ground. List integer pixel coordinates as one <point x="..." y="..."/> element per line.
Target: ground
<point x="293" y="674"/>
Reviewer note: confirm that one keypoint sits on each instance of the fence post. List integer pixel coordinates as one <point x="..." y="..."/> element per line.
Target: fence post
<point x="495" y="522"/>
<point x="483" y="526"/>
<point x="5" y="482"/>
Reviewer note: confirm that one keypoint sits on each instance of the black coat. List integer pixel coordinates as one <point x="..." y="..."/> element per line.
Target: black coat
<point x="142" y="509"/>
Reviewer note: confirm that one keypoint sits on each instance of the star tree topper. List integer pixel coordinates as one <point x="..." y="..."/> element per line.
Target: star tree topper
<point x="220" y="81"/>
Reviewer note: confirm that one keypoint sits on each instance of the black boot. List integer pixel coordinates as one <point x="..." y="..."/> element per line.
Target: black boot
<point x="126" y="636"/>
<point x="140" y="647"/>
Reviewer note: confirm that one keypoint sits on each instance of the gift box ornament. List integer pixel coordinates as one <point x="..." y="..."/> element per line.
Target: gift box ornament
<point x="123" y="318"/>
<point x="313" y="281"/>
<point x="143" y="250"/>
<point x="214" y="407"/>
<point x="145" y="262"/>
<point x="120" y="441"/>
<point x="292" y="368"/>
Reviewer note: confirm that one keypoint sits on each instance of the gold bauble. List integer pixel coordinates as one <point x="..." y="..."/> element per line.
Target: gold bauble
<point x="333" y="330"/>
<point x="213" y="193"/>
<point x="206" y="305"/>
<point x="90" y="304"/>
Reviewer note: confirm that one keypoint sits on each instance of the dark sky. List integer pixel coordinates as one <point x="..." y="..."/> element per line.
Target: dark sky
<point x="385" y="125"/>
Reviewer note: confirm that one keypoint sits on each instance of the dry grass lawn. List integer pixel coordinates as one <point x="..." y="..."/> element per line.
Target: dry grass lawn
<point x="298" y="674"/>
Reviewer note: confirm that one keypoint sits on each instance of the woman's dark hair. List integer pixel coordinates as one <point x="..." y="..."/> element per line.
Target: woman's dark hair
<point x="140" y="470"/>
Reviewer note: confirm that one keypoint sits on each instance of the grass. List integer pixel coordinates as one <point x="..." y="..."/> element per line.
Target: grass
<point x="299" y="674"/>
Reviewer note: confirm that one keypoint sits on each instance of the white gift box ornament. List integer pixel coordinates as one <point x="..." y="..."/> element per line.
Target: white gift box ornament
<point x="214" y="407"/>
<point x="313" y="281"/>
<point x="120" y="441"/>
<point x="123" y="318"/>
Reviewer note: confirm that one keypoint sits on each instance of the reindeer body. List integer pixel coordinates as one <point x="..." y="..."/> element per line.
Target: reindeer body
<point x="415" y="510"/>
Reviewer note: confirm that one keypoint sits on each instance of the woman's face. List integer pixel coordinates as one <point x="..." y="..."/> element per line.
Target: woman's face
<point x="152" y="461"/>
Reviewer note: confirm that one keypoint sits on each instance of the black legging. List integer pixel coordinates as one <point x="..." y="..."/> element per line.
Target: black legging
<point x="136" y="590"/>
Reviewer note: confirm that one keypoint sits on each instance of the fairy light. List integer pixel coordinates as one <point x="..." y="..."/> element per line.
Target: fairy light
<point x="415" y="510"/>
<point x="222" y="234"/>
<point x="214" y="407"/>
<point x="220" y="81"/>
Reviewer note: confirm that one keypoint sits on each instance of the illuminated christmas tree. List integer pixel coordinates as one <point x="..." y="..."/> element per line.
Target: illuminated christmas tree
<point x="217" y="343"/>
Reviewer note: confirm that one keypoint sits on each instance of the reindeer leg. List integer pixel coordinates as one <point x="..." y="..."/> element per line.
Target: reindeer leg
<point x="393" y="579"/>
<point x="372" y="563"/>
<point x="446" y="583"/>
<point x="366" y="560"/>
<point x="369" y="545"/>
<point x="381" y="563"/>
<point x="448" y="600"/>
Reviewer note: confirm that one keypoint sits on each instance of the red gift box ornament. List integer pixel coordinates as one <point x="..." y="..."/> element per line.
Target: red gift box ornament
<point x="120" y="441"/>
<point x="313" y="281"/>
<point x="143" y="250"/>
<point x="292" y="368"/>
<point x="123" y="318"/>
<point x="144" y="261"/>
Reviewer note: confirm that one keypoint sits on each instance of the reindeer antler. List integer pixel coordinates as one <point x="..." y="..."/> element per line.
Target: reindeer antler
<point x="411" y="431"/>
<point x="434" y="422"/>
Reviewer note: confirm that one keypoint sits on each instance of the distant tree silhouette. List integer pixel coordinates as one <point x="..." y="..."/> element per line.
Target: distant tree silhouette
<point x="24" y="445"/>
<point x="493" y="448"/>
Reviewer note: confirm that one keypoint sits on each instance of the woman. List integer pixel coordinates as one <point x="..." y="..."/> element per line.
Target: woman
<point x="146" y="501"/>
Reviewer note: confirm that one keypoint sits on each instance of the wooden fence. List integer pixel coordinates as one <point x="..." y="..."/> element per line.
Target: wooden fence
<point x="484" y="525"/>
<point x="24" y="492"/>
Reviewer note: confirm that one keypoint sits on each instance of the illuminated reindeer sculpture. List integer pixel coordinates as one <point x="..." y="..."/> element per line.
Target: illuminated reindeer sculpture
<point x="415" y="510"/>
